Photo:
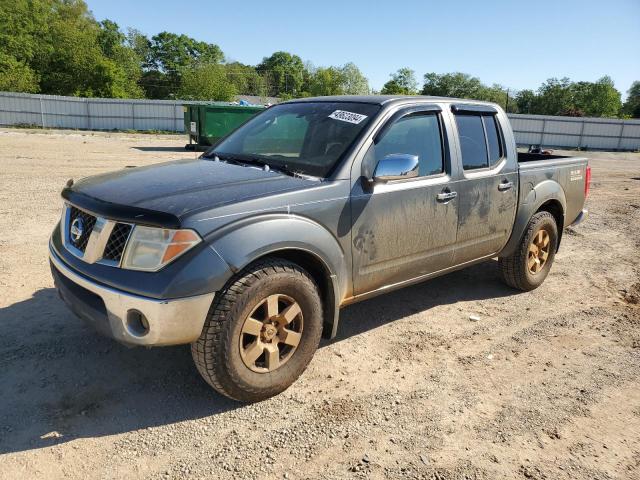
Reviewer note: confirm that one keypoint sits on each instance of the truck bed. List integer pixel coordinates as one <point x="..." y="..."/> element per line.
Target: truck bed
<point x="566" y="172"/>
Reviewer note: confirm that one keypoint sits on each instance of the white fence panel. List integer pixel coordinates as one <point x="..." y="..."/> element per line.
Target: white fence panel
<point x="573" y="132"/>
<point x="564" y="127"/>
<point x="550" y="139"/>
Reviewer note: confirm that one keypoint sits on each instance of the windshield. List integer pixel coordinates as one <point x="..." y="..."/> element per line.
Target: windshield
<point x="308" y="138"/>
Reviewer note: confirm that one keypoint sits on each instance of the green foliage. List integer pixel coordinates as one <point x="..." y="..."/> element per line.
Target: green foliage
<point x="457" y="85"/>
<point x="462" y="85"/>
<point x="597" y="99"/>
<point x="15" y="76"/>
<point x="206" y="82"/>
<point x="56" y="46"/>
<point x="525" y="100"/>
<point x="554" y="97"/>
<point x="126" y="62"/>
<point x="327" y="81"/>
<point x="564" y="97"/>
<point x="631" y="107"/>
<point x="403" y="82"/>
<point x="354" y="82"/>
<point x="284" y="73"/>
<point x="171" y="53"/>
<point x="345" y="80"/>
<point x="167" y="56"/>
<point x="245" y="79"/>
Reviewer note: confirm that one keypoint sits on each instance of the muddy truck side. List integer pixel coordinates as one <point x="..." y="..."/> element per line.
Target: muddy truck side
<point x="249" y="252"/>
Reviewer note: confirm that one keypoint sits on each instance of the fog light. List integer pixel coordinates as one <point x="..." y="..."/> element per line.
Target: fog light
<point x="137" y="323"/>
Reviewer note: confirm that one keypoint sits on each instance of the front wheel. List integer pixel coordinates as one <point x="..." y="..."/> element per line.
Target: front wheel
<point x="261" y="332"/>
<point x="529" y="265"/>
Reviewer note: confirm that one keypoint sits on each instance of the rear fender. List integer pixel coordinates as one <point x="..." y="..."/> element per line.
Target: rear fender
<point x="530" y="203"/>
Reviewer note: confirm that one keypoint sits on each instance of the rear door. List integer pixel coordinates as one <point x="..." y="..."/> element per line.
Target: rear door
<point x="487" y="189"/>
<point x="404" y="229"/>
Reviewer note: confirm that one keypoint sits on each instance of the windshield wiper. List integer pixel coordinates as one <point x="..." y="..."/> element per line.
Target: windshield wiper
<point x="237" y="159"/>
<point x="254" y="160"/>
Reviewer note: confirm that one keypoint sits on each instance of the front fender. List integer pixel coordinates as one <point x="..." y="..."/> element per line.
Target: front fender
<point x="247" y="240"/>
<point x="530" y="202"/>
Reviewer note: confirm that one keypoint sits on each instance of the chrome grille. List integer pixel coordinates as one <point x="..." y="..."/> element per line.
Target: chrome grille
<point x="117" y="241"/>
<point x="89" y="222"/>
<point x="101" y="240"/>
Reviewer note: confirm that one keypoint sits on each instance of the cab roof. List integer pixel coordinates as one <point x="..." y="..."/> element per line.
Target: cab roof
<point x="386" y="99"/>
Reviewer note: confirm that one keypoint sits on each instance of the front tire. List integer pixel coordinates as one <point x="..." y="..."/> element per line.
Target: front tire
<point x="261" y="331"/>
<point x="529" y="265"/>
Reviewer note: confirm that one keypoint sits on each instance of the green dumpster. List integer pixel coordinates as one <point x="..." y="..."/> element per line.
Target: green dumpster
<point x="208" y="123"/>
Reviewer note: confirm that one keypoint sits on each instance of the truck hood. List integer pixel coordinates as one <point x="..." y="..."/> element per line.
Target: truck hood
<point x="177" y="189"/>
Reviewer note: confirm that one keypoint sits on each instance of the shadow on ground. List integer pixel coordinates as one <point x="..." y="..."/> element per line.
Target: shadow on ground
<point x="160" y="149"/>
<point x="57" y="375"/>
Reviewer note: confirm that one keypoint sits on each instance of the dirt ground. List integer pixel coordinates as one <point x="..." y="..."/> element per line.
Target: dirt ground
<point x="546" y="385"/>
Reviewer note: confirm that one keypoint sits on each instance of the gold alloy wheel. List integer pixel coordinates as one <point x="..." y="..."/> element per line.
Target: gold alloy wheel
<point x="538" y="251"/>
<point x="271" y="333"/>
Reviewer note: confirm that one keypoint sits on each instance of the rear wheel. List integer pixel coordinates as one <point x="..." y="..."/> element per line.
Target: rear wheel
<point x="529" y="265"/>
<point x="261" y="332"/>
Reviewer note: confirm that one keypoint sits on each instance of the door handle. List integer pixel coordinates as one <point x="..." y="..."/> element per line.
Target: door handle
<point x="505" y="186"/>
<point x="446" y="196"/>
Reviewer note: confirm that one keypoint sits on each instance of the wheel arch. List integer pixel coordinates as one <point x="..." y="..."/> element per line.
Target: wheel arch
<point x="547" y="196"/>
<point x="297" y="239"/>
<point x="554" y="207"/>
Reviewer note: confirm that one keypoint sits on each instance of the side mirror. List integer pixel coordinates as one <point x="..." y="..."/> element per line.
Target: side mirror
<point x="396" y="166"/>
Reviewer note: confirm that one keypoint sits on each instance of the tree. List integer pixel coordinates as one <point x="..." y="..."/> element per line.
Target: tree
<point x="172" y="53"/>
<point x="597" y="99"/>
<point x="206" y="82"/>
<point x="168" y="57"/>
<point x="126" y="62"/>
<point x="525" y="101"/>
<point x="56" y="46"/>
<point x="245" y="79"/>
<point x="283" y="72"/>
<point x="457" y="85"/>
<point x="354" y="82"/>
<point x="632" y="105"/>
<point x="554" y="97"/>
<point x="403" y="82"/>
<point x="327" y="81"/>
<point x="463" y="85"/>
<point x="15" y="76"/>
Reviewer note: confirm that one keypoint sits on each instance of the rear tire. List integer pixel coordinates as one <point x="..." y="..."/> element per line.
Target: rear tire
<point x="250" y="361"/>
<point x="529" y="265"/>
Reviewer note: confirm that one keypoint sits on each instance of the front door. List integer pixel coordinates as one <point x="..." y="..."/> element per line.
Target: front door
<point x="405" y="229"/>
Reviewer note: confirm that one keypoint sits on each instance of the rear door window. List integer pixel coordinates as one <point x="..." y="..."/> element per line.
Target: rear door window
<point x="472" y="142"/>
<point x="493" y="139"/>
<point x="480" y="140"/>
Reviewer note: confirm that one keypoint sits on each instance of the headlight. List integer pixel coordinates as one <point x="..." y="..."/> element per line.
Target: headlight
<point x="150" y="248"/>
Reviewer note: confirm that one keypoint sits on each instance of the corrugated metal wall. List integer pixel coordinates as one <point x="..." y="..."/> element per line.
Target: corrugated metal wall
<point x="574" y="132"/>
<point x="50" y="111"/>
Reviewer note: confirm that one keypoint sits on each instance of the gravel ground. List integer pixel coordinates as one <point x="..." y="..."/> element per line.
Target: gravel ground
<point x="545" y="385"/>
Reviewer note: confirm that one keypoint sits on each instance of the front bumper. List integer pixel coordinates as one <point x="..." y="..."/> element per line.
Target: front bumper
<point x="127" y="318"/>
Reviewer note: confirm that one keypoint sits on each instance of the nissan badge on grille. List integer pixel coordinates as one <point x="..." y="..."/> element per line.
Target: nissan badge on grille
<point x="77" y="230"/>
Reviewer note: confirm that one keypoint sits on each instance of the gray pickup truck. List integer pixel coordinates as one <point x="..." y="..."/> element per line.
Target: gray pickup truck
<point x="249" y="252"/>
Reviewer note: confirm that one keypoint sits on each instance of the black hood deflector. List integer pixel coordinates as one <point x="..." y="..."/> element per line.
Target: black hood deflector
<point x="122" y="213"/>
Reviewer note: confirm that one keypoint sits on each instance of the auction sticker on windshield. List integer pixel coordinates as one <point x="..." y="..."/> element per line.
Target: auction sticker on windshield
<point x="345" y="116"/>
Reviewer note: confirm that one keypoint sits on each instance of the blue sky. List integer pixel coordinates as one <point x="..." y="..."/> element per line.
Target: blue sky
<point x="516" y="43"/>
